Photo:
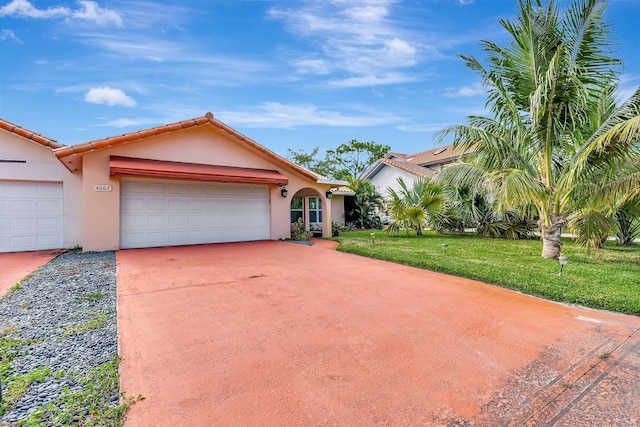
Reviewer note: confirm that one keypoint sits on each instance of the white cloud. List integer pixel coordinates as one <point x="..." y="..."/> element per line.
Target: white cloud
<point x="9" y="35"/>
<point x="24" y="9"/>
<point x="312" y="66"/>
<point x="124" y="122"/>
<point x="287" y="116"/>
<point x="92" y="12"/>
<point x="109" y="96"/>
<point x="373" y="80"/>
<point x="88" y="11"/>
<point x="359" y="37"/>
<point x="464" y="91"/>
<point x="399" y="52"/>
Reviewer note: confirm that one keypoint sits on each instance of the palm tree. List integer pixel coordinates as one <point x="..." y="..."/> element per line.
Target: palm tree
<point x="367" y="202"/>
<point x="610" y="207"/>
<point x="416" y="207"/>
<point x="542" y="146"/>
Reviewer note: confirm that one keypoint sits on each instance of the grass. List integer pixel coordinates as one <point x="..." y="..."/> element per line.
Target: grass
<point x="93" y="297"/>
<point x="96" y="321"/>
<point x="98" y="404"/>
<point x="18" y="384"/>
<point x="606" y="279"/>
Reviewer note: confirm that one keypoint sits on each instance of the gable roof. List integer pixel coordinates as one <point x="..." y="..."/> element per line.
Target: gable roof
<point x="418" y="164"/>
<point x="437" y="156"/>
<point x="26" y="133"/>
<point x="401" y="164"/>
<point x="70" y="155"/>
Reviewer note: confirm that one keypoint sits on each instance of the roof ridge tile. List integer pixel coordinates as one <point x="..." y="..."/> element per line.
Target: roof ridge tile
<point x="28" y="134"/>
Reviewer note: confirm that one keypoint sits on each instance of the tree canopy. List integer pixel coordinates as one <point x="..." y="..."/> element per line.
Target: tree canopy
<point x="348" y="161"/>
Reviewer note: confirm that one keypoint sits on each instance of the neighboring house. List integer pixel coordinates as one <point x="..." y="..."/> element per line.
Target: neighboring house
<point x="425" y="164"/>
<point x="40" y="201"/>
<point x="191" y="182"/>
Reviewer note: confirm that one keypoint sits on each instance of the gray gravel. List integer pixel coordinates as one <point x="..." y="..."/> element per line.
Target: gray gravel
<point x="69" y="292"/>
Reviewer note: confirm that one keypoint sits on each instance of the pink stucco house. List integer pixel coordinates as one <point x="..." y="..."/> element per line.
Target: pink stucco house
<point x="191" y="182"/>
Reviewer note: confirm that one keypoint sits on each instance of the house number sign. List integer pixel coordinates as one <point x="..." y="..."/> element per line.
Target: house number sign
<point x="102" y="187"/>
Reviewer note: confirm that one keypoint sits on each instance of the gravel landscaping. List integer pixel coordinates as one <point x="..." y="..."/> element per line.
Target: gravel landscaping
<point x="59" y="343"/>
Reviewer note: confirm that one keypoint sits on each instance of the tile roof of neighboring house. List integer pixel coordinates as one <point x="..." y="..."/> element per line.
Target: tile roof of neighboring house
<point x="436" y="156"/>
<point x="26" y="133"/>
<point x="409" y="167"/>
<point x="70" y="155"/>
<point x="418" y="163"/>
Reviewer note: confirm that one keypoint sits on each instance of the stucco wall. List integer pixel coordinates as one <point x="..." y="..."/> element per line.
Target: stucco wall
<point x="388" y="177"/>
<point x="42" y="166"/>
<point x="337" y="209"/>
<point x="203" y="145"/>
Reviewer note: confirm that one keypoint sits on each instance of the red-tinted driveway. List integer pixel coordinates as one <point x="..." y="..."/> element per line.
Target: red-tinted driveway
<point x="275" y="333"/>
<point x="15" y="266"/>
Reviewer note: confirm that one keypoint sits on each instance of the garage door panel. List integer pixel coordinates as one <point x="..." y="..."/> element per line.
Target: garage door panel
<point x="17" y="225"/>
<point x="22" y="206"/>
<point x="45" y="225"/>
<point x="192" y="213"/>
<point x="156" y="221"/>
<point x="157" y="204"/>
<point x="46" y="240"/>
<point x="134" y="187"/>
<point x="21" y="243"/>
<point x="48" y="206"/>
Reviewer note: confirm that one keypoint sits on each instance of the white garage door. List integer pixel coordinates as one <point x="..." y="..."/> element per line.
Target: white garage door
<point x="169" y="213"/>
<point x="31" y="216"/>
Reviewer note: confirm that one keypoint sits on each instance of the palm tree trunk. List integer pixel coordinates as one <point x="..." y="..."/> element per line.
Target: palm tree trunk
<point x="551" y="244"/>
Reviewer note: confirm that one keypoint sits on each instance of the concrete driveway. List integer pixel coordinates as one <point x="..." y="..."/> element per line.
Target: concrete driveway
<point x="15" y="266"/>
<point x="275" y="333"/>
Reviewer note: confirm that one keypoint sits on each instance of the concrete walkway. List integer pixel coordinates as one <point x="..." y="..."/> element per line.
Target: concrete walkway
<point x="275" y="333"/>
<point x="15" y="266"/>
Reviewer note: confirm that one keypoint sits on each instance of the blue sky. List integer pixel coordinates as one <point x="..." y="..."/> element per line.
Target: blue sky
<point x="288" y="74"/>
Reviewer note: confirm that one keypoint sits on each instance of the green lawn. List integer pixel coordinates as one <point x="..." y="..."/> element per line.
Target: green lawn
<point x="605" y="279"/>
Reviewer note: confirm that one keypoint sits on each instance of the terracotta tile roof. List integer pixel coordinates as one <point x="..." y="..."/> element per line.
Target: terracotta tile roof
<point x="402" y="164"/>
<point x="343" y="191"/>
<point x="26" y="133"/>
<point x="410" y="167"/>
<point x="437" y="156"/>
<point x="419" y="164"/>
<point x="70" y="155"/>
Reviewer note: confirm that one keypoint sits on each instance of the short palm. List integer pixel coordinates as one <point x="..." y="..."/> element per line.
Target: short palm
<point x="416" y="207"/>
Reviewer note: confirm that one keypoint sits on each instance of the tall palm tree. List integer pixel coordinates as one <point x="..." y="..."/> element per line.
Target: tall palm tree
<point x="413" y="208"/>
<point x="544" y="88"/>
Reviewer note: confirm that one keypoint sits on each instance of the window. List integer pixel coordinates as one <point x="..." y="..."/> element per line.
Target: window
<point x="297" y="209"/>
<point x="315" y="210"/>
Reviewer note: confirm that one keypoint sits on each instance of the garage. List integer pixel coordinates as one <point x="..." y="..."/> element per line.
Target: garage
<point x="31" y="216"/>
<point x="172" y="212"/>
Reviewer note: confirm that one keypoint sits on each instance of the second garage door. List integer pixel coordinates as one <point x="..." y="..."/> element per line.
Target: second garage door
<point x="31" y="216"/>
<point x="170" y="213"/>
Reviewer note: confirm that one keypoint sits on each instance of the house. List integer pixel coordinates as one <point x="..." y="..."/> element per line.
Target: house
<point x="425" y="164"/>
<point x="190" y="182"/>
<point x="40" y="201"/>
